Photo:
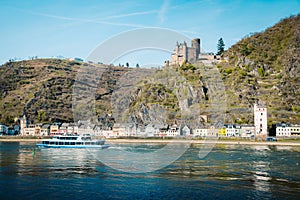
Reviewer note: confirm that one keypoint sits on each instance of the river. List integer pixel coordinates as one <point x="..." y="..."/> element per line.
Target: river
<point x="227" y="172"/>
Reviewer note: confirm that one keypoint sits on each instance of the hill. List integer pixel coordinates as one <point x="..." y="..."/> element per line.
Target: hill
<point x="265" y="66"/>
<point x="42" y="89"/>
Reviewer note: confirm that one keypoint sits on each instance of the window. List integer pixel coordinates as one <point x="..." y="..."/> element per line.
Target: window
<point x="261" y="113"/>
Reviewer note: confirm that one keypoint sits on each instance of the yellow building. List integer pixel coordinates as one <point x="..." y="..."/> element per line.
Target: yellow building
<point x="222" y="132"/>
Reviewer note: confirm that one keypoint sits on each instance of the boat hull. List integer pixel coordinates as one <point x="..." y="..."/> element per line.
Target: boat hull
<point x="104" y="146"/>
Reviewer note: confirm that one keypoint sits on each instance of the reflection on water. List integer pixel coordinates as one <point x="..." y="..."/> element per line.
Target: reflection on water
<point x="228" y="172"/>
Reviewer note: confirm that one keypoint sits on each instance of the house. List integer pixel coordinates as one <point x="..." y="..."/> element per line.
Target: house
<point x="3" y="129"/>
<point x="222" y="132"/>
<point x="283" y="130"/>
<point x="45" y="130"/>
<point x="63" y="129"/>
<point x="186" y="131"/>
<point x="108" y="134"/>
<point x="72" y="128"/>
<point x="11" y="131"/>
<point x="17" y="129"/>
<point x="247" y="131"/>
<point x="54" y="128"/>
<point x="86" y="128"/>
<point x="119" y="130"/>
<point x="173" y="131"/>
<point x="295" y="130"/>
<point x="212" y="132"/>
<point x="37" y="129"/>
<point x="98" y="130"/>
<point x="29" y="130"/>
<point x="200" y="132"/>
<point x="232" y="130"/>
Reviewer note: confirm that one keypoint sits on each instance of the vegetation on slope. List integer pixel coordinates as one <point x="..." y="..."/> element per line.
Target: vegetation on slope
<point x="265" y="66"/>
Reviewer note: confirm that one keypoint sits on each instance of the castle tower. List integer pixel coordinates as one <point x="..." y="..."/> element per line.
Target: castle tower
<point x="196" y="45"/>
<point x="185" y="52"/>
<point x="23" y="124"/>
<point x="260" y="119"/>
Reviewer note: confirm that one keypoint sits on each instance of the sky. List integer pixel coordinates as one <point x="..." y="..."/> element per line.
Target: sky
<point x="72" y="28"/>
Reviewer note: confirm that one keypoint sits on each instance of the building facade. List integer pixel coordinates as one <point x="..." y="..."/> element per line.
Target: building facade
<point x="283" y="130"/>
<point x="260" y="119"/>
<point x="295" y="130"/>
<point x="23" y="124"/>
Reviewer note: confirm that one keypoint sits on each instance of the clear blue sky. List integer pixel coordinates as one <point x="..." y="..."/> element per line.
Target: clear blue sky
<point x="49" y="28"/>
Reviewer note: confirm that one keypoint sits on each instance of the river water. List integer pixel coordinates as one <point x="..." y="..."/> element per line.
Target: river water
<point x="227" y="172"/>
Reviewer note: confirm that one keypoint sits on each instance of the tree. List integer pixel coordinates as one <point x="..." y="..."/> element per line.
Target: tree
<point x="127" y="64"/>
<point x="220" y="46"/>
<point x="137" y="65"/>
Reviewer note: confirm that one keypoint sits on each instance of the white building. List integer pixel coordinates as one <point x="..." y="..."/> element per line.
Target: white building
<point x="108" y="134"/>
<point x="260" y="119"/>
<point x="212" y="132"/>
<point x="283" y="130"/>
<point x="247" y="131"/>
<point x="200" y="132"/>
<point x="173" y="131"/>
<point x="151" y="131"/>
<point x="23" y="124"/>
<point x="29" y="130"/>
<point x="232" y="130"/>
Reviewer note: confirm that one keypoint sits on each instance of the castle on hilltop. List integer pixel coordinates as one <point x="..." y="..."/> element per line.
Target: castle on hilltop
<point x="184" y="53"/>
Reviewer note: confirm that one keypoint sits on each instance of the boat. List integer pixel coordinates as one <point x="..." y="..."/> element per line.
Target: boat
<point x="72" y="141"/>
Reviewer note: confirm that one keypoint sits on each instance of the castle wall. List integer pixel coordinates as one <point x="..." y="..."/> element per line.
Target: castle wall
<point x="184" y="53"/>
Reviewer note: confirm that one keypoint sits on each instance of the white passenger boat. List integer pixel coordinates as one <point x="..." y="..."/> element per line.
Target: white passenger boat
<point x="72" y="141"/>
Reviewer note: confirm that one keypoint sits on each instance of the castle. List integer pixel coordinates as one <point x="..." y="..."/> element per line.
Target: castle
<point x="184" y="53"/>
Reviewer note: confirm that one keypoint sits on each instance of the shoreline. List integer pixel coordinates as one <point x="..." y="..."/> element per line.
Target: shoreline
<point x="162" y="141"/>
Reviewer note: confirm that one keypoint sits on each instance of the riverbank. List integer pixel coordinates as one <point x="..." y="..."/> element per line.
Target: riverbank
<point x="162" y="141"/>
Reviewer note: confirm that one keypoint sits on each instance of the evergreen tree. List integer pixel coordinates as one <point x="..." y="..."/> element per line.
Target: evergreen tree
<point x="220" y="46"/>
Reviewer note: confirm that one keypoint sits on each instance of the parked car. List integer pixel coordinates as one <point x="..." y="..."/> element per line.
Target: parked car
<point x="271" y="139"/>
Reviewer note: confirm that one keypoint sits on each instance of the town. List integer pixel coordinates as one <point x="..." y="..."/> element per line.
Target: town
<point x="257" y="130"/>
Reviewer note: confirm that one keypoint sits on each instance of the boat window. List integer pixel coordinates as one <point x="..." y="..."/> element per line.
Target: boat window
<point x="61" y="143"/>
<point x="78" y="143"/>
<point x="88" y="143"/>
<point x="51" y="142"/>
<point x="72" y="143"/>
